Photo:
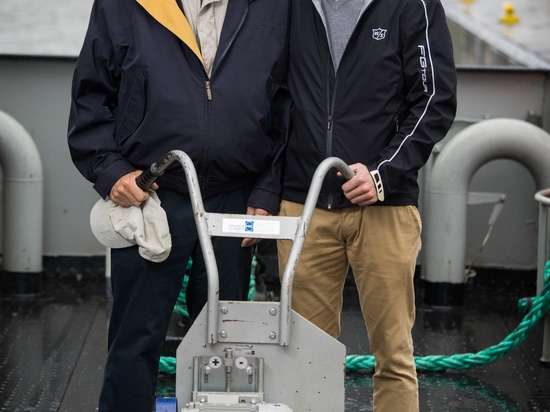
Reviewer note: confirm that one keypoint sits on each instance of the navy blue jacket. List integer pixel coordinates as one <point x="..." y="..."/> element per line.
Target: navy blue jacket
<point x="392" y="98"/>
<point x="140" y="90"/>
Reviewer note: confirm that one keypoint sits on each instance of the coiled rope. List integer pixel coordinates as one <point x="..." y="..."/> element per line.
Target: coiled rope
<point x="534" y="308"/>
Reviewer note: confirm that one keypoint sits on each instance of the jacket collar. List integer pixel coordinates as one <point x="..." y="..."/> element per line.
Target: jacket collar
<point x="167" y="13"/>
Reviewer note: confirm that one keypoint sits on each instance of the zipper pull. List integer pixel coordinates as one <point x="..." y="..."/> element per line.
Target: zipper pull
<point x="329" y="125"/>
<point x="208" y="90"/>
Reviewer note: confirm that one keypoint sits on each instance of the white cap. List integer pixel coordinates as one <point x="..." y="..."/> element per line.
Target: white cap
<point x="146" y="226"/>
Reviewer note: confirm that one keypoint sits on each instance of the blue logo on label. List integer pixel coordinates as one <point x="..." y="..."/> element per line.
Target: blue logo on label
<point x="249" y="226"/>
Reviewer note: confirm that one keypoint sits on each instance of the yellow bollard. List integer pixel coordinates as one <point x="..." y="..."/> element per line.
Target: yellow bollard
<point x="508" y="15"/>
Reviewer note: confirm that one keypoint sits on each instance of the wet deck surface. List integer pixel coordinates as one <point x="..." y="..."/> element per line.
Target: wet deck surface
<point x="53" y="349"/>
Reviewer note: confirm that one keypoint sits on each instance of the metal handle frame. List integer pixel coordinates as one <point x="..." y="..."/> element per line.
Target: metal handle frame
<point x="201" y="220"/>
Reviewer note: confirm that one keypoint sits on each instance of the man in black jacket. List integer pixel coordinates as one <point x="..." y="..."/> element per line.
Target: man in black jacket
<point x="372" y="82"/>
<point x="159" y="75"/>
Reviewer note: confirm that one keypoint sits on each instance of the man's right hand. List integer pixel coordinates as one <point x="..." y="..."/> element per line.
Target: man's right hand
<point x="125" y="192"/>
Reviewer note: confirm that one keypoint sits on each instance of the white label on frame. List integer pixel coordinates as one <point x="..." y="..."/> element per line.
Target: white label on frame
<point x="244" y="226"/>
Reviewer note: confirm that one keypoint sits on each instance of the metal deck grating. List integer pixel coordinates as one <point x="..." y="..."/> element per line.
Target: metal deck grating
<point x="53" y="349"/>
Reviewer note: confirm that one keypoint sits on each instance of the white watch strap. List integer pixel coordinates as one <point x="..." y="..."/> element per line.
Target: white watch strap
<point x="378" y="183"/>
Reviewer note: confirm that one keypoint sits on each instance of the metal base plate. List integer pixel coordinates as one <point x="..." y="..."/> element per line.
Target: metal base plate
<point x="307" y="375"/>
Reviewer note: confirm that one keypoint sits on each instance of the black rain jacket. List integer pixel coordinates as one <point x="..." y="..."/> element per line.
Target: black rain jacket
<point x="140" y="90"/>
<point x="392" y="98"/>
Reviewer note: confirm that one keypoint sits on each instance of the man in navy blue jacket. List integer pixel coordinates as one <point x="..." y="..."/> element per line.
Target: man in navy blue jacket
<point x="372" y="82"/>
<point x="160" y="75"/>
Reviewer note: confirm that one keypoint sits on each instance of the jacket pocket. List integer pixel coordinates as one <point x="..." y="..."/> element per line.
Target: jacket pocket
<point x="132" y="111"/>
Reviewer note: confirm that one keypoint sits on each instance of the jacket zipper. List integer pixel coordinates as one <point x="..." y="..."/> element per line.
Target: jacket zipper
<point x="331" y="102"/>
<point x="330" y="120"/>
<point x="202" y="173"/>
<point x="208" y="83"/>
<point x="208" y="90"/>
<point x="223" y="54"/>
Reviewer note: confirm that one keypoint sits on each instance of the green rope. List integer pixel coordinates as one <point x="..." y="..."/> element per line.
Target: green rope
<point x="167" y="365"/>
<point x="534" y="308"/>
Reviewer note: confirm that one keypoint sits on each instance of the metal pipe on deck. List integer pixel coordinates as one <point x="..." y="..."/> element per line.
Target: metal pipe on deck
<point x="543" y="197"/>
<point x="447" y="194"/>
<point x="22" y="210"/>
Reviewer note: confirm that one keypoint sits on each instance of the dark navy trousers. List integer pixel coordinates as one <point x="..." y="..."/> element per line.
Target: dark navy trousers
<point x="144" y="295"/>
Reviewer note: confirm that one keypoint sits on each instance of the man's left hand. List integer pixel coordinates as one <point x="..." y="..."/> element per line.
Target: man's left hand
<point x="360" y="189"/>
